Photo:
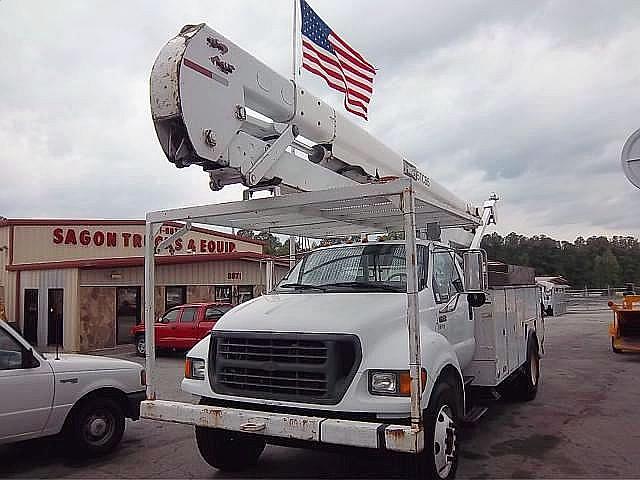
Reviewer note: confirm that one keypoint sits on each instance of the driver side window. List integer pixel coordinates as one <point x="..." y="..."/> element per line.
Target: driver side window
<point x="170" y="317"/>
<point x="11" y="352"/>
<point x="446" y="280"/>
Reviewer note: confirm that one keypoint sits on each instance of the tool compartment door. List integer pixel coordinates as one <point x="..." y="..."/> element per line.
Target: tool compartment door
<point x="490" y="362"/>
<point x="512" y="320"/>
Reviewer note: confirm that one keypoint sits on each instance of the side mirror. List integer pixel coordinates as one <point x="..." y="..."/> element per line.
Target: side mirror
<point x="475" y="276"/>
<point x="476" y="299"/>
<point x="29" y="360"/>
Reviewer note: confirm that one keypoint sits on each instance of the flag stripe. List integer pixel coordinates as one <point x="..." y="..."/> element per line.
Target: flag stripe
<point x="354" y="53"/>
<point x="347" y="66"/>
<point x="344" y="69"/>
<point x="327" y="79"/>
<point x="358" y="84"/>
<point x="350" y="58"/>
<point x="365" y="76"/>
<point x="310" y="53"/>
<point x="322" y="54"/>
<point x="355" y="112"/>
<point x="329" y="71"/>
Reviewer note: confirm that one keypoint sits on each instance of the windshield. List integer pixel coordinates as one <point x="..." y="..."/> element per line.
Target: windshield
<point x="370" y="268"/>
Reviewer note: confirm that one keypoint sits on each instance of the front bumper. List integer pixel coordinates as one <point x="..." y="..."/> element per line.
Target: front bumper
<point x="396" y="438"/>
<point x="133" y="404"/>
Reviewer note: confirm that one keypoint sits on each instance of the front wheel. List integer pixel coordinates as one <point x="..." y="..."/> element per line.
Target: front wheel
<point x="439" y="459"/>
<point x="228" y="451"/>
<point x="95" y="427"/>
<point x="140" y="346"/>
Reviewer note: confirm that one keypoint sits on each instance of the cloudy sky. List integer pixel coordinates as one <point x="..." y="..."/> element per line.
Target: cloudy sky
<point x="532" y="100"/>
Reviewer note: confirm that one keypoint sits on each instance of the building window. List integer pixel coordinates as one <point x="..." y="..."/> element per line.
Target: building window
<point x="245" y="292"/>
<point x="128" y="312"/>
<point x="223" y="293"/>
<point x="174" y="296"/>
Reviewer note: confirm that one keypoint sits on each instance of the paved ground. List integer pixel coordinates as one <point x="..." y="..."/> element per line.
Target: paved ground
<point x="585" y="423"/>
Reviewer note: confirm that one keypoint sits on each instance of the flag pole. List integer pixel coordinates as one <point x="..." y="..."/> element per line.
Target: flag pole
<point x="294" y="44"/>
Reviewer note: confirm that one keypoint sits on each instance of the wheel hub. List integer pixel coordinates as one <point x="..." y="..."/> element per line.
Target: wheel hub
<point x="98" y="427"/>
<point x="444" y="441"/>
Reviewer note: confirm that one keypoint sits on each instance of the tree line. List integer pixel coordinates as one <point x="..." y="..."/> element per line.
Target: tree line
<point x="595" y="262"/>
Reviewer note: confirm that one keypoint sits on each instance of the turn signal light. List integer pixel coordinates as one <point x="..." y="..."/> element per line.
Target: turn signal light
<point x="405" y="382"/>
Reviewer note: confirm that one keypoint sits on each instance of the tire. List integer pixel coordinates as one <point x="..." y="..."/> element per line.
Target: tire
<point x="140" y="346"/>
<point x="439" y="459"/>
<point x="524" y="387"/>
<point x="228" y="451"/>
<point x="95" y="427"/>
<point x="550" y="312"/>
<point x="613" y="347"/>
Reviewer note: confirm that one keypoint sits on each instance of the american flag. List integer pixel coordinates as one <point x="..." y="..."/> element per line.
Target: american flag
<point x="327" y="55"/>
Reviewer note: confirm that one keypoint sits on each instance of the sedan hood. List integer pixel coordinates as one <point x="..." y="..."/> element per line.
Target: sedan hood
<point x="76" y="363"/>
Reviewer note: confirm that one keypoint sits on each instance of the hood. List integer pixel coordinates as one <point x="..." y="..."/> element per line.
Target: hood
<point x="320" y="313"/>
<point x="75" y="363"/>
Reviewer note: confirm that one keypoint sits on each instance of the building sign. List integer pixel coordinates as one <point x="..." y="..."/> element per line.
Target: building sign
<point x="51" y="243"/>
<point x="100" y="238"/>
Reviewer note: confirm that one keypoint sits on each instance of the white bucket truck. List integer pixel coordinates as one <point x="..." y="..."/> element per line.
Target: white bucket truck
<point x="376" y="344"/>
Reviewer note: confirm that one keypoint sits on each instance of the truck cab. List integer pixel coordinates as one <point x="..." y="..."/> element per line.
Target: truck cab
<point x="351" y="300"/>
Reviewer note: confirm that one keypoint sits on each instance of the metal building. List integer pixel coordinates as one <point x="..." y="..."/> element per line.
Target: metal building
<point x="78" y="283"/>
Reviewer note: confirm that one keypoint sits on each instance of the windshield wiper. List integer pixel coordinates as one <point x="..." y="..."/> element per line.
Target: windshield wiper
<point x="302" y="286"/>
<point x="365" y="285"/>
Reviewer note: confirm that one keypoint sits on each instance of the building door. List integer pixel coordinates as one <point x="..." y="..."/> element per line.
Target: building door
<point x="30" y="315"/>
<point x="55" y="305"/>
<point x="127" y="312"/>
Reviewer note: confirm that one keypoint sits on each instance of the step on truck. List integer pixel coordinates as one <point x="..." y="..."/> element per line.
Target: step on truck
<point x="382" y="345"/>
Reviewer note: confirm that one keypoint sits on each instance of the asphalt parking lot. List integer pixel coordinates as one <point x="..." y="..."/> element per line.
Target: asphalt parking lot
<point x="585" y="423"/>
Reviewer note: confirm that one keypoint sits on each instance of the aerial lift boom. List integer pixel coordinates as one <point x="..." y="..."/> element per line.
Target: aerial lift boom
<point x="216" y="106"/>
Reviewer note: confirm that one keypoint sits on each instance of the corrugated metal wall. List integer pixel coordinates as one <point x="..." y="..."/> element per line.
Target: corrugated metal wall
<point x="201" y="273"/>
<point x="43" y="280"/>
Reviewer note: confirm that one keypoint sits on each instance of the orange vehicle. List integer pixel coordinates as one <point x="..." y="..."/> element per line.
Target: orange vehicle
<point x="625" y="328"/>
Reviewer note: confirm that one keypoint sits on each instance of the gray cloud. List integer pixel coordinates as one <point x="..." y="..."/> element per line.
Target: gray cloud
<point x="531" y="100"/>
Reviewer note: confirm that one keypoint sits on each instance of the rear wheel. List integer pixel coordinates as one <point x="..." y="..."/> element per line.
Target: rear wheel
<point x="228" y="451"/>
<point x="524" y="387"/>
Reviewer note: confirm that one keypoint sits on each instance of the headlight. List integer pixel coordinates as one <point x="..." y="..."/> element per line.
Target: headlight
<point x="393" y="382"/>
<point x="194" y="368"/>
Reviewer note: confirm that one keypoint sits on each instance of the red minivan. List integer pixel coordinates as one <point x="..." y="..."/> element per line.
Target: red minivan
<point x="183" y="326"/>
